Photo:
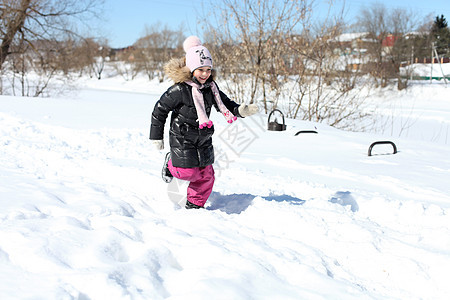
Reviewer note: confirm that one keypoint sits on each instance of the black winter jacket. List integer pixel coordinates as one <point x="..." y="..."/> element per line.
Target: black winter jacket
<point x="189" y="146"/>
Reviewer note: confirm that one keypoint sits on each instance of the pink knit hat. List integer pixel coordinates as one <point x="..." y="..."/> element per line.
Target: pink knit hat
<point x="197" y="55"/>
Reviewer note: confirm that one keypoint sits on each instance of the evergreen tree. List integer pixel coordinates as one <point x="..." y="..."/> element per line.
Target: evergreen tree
<point x="441" y="36"/>
<point x="440" y="23"/>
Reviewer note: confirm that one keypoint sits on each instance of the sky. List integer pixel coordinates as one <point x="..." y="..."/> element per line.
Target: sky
<point x="124" y="21"/>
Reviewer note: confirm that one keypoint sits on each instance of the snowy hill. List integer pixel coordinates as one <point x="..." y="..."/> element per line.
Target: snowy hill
<point x="84" y="213"/>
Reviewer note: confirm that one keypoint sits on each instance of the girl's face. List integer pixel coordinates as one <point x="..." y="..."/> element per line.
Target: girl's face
<point x="202" y="74"/>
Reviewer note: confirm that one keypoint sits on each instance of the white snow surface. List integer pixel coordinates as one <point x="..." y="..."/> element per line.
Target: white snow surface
<point x="84" y="213"/>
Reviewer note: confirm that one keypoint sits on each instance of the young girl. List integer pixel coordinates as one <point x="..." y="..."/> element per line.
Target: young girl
<point x="190" y="100"/>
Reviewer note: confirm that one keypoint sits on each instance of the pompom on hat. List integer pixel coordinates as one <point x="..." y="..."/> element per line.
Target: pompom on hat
<point x="192" y="41"/>
<point x="197" y="55"/>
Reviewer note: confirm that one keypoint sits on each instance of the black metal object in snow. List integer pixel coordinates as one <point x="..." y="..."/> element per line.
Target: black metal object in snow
<point x="274" y="125"/>
<point x="306" y="131"/>
<point x="379" y="143"/>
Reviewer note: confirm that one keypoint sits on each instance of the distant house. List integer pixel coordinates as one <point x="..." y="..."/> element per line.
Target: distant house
<point x="123" y="53"/>
<point x="352" y="46"/>
<point x="351" y="43"/>
<point x="388" y="43"/>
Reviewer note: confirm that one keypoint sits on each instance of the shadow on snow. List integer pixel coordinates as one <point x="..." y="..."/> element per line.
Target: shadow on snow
<point x="237" y="203"/>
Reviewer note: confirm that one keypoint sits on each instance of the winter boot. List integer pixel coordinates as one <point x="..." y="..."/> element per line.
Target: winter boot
<point x="165" y="173"/>
<point x="190" y="205"/>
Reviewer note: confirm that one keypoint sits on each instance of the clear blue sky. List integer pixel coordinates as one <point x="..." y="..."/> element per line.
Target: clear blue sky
<point x="125" y="20"/>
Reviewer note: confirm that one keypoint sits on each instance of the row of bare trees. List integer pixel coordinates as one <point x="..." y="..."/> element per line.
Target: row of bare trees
<point x="397" y="37"/>
<point x="40" y="47"/>
<point x="267" y="51"/>
<point x="271" y="52"/>
<point x="149" y="53"/>
<point x="39" y="42"/>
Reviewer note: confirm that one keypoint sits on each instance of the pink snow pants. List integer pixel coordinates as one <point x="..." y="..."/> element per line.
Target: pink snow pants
<point x="201" y="182"/>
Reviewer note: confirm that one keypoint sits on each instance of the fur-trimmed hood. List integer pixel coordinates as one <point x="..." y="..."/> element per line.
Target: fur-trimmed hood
<point x="177" y="70"/>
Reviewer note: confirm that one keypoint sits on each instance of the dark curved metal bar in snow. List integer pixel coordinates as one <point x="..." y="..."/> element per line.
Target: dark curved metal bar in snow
<point x="379" y="143"/>
<point x="306" y="131"/>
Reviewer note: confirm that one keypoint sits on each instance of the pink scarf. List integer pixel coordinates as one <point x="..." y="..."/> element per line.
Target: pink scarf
<point x="199" y="103"/>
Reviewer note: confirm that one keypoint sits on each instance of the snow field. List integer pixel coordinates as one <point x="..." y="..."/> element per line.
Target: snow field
<point x="85" y="215"/>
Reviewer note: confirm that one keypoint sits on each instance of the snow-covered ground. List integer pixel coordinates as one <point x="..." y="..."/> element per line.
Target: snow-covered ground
<point x="84" y="213"/>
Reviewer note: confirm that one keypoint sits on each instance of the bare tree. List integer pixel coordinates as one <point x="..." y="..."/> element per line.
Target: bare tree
<point x="325" y="87"/>
<point x="102" y="55"/>
<point x="155" y="48"/>
<point x="271" y="52"/>
<point x="391" y="45"/>
<point x="29" y="27"/>
<point x="31" y="72"/>
<point x="247" y="37"/>
<point x="90" y="55"/>
<point x="39" y="19"/>
<point x="14" y="14"/>
<point x="124" y="63"/>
